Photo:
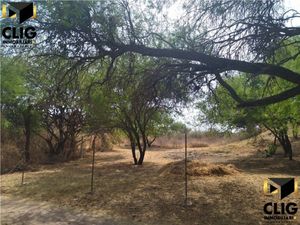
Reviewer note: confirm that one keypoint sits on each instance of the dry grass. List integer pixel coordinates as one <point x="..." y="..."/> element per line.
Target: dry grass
<point x="199" y="168"/>
<point x="194" y="141"/>
<point x="198" y="145"/>
<point x="178" y="142"/>
<point x="225" y="185"/>
<point x="10" y="157"/>
<point x="12" y="154"/>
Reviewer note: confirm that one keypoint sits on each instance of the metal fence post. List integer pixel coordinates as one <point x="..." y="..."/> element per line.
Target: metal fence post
<point x="93" y="165"/>
<point x="185" y="168"/>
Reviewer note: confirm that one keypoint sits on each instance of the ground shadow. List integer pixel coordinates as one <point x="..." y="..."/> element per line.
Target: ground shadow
<point x="258" y="164"/>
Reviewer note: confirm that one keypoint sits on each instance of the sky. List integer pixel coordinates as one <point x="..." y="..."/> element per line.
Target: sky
<point x="293" y="4"/>
<point x="175" y="11"/>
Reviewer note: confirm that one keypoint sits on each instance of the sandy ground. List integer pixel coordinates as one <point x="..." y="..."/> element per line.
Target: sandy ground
<point x="126" y="194"/>
<point x="25" y="211"/>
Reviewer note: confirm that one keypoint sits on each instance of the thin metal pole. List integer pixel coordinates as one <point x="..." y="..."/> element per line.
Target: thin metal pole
<point x="23" y="169"/>
<point x="185" y="168"/>
<point x="93" y="166"/>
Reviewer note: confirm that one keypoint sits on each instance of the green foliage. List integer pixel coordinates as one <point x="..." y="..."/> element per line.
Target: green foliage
<point x="163" y="124"/>
<point x="178" y="128"/>
<point x="220" y="108"/>
<point x="271" y="150"/>
<point x="14" y="93"/>
<point x="99" y="41"/>
<point x="12" y="80"/>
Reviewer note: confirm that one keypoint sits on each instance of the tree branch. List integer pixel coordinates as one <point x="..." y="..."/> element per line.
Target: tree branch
<point x="216" y="63"/>
<point x="272" y="99"/>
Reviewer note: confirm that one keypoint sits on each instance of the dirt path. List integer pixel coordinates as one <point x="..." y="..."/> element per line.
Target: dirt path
<point x="16" y="211"/>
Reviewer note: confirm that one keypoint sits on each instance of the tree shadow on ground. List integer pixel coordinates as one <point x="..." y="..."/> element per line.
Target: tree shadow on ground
<point x="259" y="164"/>
<point x="24" y="211"/>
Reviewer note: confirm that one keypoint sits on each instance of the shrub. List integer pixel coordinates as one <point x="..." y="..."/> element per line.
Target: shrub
<point x="271" y="150"/>
<point x="10" y="157"/>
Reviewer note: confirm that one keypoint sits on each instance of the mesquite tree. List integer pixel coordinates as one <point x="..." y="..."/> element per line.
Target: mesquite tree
<point x="137" y="95"/>
<point x="219" y="108"/>
<point x="213" y="37"/>
<point x="17" y="112"/>
<point x="60" y="103"/>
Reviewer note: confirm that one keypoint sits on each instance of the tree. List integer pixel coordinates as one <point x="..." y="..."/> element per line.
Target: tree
<point x="135" y="98"/>
<point x="59" y="100"/>
<point x="277" y="118"/>
<point x="16" y="106"/>
<point x="243" y="36"/>
<point x="160" y="125"/>
<point x="46" y="100"/>
<point x="146" y="62"/>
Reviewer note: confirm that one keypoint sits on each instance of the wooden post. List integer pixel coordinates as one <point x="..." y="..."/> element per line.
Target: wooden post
<point x="185" y="168"/>
<point x="93" y="165"/>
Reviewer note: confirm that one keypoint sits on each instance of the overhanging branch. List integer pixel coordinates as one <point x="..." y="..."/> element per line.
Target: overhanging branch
<point x="216" y="63"/>
<point x="272" y="99"/>
<point x="260" y="102"/>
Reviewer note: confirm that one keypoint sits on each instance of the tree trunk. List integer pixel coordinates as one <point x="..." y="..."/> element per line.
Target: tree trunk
<point x="142" y="156"/>
<point x="133" y="153"/>
<point x="286" y="145"/>
<point x="27" y="132"/>
<point x="282" y="136"/>
<point x="27" y="143"/>
<point x="81" y="148"/>
<point x="60" y="147"/>
<point x="72" y="147"/>
<point x="142" y="149"/>
<point x="56" y="150"/>
<point x="295" y="130"/>
<point x="133" y="146"/>
<point x="149" y="143"/>
<point x="275" y="140"/>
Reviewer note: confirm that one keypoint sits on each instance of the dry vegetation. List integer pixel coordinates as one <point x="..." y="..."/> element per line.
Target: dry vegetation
<point x="195" y="140"/>
<point x="12" y="159"/>
<point x="198" y="168"/>
<point x="225" y="184"/>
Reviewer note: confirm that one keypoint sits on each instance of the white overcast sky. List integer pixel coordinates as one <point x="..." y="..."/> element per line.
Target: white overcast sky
<point x="174" y="12"/>
<point x="293" y="4"/>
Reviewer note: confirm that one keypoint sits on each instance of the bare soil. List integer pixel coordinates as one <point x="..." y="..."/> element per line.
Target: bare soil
<point x="224" y="187"/>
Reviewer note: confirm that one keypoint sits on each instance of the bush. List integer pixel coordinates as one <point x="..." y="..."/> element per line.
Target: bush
<point x="198" y="145"/>
<point x="106" y="142"/>
<point x="271" y="150"/>
<point x="10" y="157"/>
